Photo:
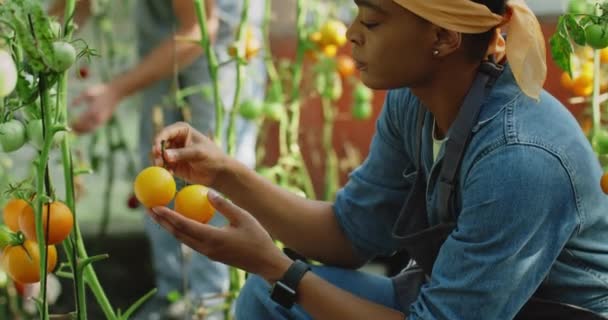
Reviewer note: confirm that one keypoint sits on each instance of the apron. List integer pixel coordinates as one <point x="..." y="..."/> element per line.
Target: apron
<point x="422" y="241"/>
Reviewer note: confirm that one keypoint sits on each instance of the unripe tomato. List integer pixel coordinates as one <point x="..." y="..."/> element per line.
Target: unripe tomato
<point x="192" y="203"/>
<point x="34" y="130"/>
<point x="600" y="142"/>
<point x="11" y="212"/>
<point x="597" y="36"/>
<point x="604" y="183"/>
<point x="64" y="56"/>
<point x="23" y="262"/>
<point x="333" y="32"/>
<point x="274" y="110"/>
<point x="60" y="226"/>
<point x="579" y="7"/>
<point x="362" y="110"/>
<point x="362" y="93"/>
<point x="12" y="135"/>
<point x="8" y="74"/>
<point x="251" y="109"/>
<point x="345" y="65"/>
<point x="154" y="187"/>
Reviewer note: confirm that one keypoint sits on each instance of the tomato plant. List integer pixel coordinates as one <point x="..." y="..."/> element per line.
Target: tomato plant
<point x="154" y="186"/>
<point x="274" y="110"/>
<point x="12" y="135"/>
<point x="59" y="222"/>
<point x="22" y="262"/>
<point x="251" y="109"/>
<point x="192" y="202"/>
<point x="64" y="55"/>
<point x="8" y="73"/>
<point x="597" y="36"/>
<point x="11" y="212"/>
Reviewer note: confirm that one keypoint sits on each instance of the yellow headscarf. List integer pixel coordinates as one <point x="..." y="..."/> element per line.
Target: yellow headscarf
<point x="525" y="47"/>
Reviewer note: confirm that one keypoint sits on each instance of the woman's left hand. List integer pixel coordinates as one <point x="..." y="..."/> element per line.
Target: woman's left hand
<point x="243" y="243"/>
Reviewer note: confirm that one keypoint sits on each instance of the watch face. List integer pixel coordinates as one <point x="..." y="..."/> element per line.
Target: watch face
<point x="283" y="295"/>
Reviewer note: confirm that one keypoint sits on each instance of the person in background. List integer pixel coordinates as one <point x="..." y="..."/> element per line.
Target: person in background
<point x="158" y="24"/>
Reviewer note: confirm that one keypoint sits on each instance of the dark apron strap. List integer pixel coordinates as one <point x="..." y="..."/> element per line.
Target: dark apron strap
<point x="412" y="229"/>
<point x="459" y="136"/>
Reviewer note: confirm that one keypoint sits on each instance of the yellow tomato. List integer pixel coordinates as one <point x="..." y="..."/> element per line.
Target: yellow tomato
<point x="154" y="186"/>
<point x="192" y="203"/>
<point x="11" y="212"/>
<point x="333" y="32"/>
<point x="23" y="262"/>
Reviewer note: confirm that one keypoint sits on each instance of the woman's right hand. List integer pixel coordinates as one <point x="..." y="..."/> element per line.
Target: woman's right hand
<point x="190" y="154"/>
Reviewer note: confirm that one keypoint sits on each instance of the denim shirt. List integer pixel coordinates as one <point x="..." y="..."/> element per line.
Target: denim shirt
<point x="531" y="216"/>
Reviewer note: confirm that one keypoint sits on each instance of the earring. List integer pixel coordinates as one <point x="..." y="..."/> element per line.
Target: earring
<point x="435" y="52"/>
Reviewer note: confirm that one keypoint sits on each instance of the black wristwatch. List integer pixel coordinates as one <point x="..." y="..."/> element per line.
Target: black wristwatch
<point x="284" y="291"/>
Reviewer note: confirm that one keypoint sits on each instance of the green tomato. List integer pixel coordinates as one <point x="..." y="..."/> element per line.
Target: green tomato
<point x="579" y="7"/>
<point x="251" y="109"/>
<point x="329" y="86"/>
<point x="8" y="74"/>
<point x="64" y="54"/>
<point x="362" y="110"/>
<point x="274" y="110"/>
<point x="600" y="142"/>
<point x="362" y="93"/>
<point x="597" y="36"/>
<point x="12" y="135"/>
<point x="35" y="136"/>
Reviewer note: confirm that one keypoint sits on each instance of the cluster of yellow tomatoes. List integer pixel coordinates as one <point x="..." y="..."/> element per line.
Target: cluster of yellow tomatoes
<point x="581" y="85"/>
<point x="21" y="258"/>
<point x="155" y="186"/>
<point x="252" y="46"/>
<point x="330" y="37"/>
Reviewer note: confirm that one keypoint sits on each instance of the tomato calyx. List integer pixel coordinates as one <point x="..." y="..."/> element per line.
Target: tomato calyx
<point x="9" y="238"/>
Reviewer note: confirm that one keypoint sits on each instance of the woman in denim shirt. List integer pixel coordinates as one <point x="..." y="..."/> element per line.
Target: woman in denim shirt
<point x="530" y="217"/>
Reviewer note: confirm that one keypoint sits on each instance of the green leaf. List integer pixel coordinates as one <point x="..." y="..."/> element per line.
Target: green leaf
<point x="576" y="32"/>
<point x="561" y="51"/>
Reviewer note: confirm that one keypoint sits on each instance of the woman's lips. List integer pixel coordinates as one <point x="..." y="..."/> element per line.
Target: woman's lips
<point x="360" y="65"/>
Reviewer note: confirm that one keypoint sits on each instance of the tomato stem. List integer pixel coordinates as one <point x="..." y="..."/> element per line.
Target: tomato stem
<point x="213" y="69"/>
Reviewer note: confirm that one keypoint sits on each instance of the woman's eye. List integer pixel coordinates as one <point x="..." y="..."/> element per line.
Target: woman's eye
<point x="369" y="25"/>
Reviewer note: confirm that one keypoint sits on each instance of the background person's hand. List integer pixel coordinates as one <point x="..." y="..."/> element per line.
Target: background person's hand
<point x="243" y="243"/>
<point x="190" y="154"/>
<point x="101" y="100"/>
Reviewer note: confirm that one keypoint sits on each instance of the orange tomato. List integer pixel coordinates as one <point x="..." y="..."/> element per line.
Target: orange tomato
<point x="604" y="55"/>
<point x="11" y="212"/>
<point x="23" y="262"/>
<point x="604" y="183"/>
<point x="345" y="65"/>
<point x="60" y="226"/>
<point x="583" y="85"/>
<point x="192" y="203"/>
<point x="154" y="186"/>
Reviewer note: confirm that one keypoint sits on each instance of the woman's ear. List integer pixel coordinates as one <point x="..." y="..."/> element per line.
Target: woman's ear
<point x="446" y="42"/>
